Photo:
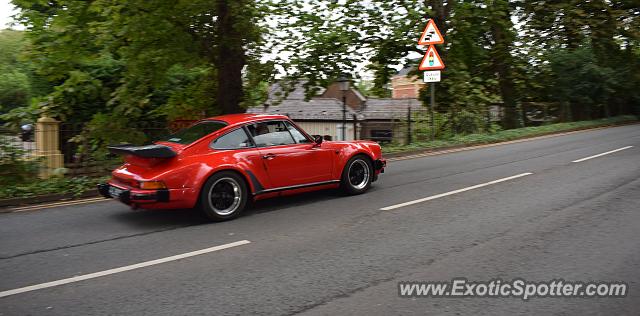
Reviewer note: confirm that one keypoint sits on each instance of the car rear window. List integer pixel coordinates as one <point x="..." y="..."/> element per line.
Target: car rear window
<point x="194" y="132"/>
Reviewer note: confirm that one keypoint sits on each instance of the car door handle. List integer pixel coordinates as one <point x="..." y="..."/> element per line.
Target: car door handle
<point x="269" y="156"/>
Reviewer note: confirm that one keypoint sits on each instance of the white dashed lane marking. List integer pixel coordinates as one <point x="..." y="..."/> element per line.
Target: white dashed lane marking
<point x="441" y="195"/>
<point x="121" y="269"/>
<point x="603" y="154"/>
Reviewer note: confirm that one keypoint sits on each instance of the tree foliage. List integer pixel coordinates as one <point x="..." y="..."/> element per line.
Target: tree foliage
<point x="496" y="51"/>
<point x="144" y="60"/>
<point x="155" y="60"/>
<point x="18" y="82"/>
<point x="586" y="53"/>
<point x="383" y="33"/>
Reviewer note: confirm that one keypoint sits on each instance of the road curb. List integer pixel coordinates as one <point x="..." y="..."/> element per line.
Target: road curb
<point x="7" y="204"/>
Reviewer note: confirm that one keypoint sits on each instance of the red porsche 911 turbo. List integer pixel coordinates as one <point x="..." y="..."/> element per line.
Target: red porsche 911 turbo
<point x="222" y="163"/>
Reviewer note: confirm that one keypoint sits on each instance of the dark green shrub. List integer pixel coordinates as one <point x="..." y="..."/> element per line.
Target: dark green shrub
<point x="15" y="165"/>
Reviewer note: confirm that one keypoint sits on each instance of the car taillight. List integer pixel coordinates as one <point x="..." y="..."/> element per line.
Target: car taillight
<point x="129" y="182"/>
<point x="152" y="185"/>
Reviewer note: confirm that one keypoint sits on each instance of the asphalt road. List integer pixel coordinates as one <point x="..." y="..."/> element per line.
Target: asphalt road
<point x="326" y="254"/>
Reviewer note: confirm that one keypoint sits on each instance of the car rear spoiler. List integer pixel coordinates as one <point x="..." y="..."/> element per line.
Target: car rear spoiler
<point x="148" y="151"/>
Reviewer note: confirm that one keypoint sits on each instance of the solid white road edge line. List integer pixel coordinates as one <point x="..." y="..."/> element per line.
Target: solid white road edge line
<point x="433" y="197"/>
<point x="602" y="154"/>
<point x="121" y="269"/>
<point x="56" y="204"/>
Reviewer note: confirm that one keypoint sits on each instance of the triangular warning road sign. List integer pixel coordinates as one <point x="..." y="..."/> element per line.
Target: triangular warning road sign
<point x="431" y="60"/>
<point x="431" y="35"/>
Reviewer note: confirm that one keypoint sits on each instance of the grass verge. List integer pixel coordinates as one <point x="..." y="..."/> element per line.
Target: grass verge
<point x="74" y="186"/>
<point x="506" y="135"/>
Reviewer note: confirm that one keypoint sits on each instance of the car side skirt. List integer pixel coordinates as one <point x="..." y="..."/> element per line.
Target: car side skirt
<point x="295" y="187"/>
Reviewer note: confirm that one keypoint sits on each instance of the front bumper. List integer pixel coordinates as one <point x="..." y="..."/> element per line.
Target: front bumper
<point x="132" y="196"/>
<point x="380" y="164"/>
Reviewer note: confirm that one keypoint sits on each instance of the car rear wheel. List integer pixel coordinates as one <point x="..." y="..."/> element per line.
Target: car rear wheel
<point x="357" y="175"/>
<point x="224" y="196"/>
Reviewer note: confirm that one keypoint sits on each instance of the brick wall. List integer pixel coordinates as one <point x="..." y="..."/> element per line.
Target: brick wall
<point x="406" y="87"/>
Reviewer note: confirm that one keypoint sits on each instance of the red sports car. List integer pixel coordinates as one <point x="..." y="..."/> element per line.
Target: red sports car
<point x="222" y="163"/>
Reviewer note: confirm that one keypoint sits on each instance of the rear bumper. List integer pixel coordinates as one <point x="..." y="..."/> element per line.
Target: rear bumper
<point x="131" y="196"/>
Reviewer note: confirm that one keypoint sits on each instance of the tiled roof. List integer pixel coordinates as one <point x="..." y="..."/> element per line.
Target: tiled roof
<point x="328" y="109"/>
<point x="278" y="92"/>
<point x="386" y="109"/>
<point x="405" y="71"/>
<point x="314" y="109"/>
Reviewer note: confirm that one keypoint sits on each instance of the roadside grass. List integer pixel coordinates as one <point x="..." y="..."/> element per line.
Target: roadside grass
<point x="72" y="185"/>
<point x="506" y="135"/>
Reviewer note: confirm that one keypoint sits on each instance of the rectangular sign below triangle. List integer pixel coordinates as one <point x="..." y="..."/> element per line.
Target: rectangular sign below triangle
<point x="431" y="60"/>
<point x="432" y="76"/>
<point x="431" y="35"/>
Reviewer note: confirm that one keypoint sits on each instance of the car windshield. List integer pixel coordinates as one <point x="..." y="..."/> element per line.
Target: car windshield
<point x="194" y="132"/>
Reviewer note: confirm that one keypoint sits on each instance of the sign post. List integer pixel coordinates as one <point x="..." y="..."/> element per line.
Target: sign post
<point x="432" y="64"/>
<point x="432" y="112"/>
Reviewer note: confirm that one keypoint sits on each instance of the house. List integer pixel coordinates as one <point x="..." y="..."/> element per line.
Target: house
<point x="354" y="98"/>
<point x="405" y="86"/>
<point x="279" y="92"/>
<point x="317" y="116"/>
<point x="366" y="118"/>
<point x="385" y="119"/>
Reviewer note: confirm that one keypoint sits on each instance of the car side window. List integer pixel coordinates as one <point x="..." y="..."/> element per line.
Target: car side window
<point x="236" y="139"/>
<point x="272" y="133"/>
<point x="297" y="134"/>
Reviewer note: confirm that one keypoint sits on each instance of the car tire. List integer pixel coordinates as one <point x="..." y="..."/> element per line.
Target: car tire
<point x="224" y="196"/>
<point x="357" y="175"/>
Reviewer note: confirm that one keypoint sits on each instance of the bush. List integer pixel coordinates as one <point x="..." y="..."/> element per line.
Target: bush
<point x="465" y="122"/>
<point x="74" y="186"/>
<point x="15" y="166"/>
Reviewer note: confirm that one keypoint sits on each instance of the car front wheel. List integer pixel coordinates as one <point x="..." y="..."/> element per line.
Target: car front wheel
<point x="224" y="196"/>
<point x="357" y="175"/>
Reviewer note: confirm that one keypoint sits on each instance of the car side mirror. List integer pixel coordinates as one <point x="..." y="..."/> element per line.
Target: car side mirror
<point x="317" y="139"/>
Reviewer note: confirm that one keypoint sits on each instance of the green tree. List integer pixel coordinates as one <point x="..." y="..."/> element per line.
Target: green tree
<point x="579" y="79"/>
<point x="157" y="59"/>
<point x="601" y="35"/>
<point x="478" y="50"/>
<point x="503" y="35"/>
<point x="15" y="83"/>
<point x="117" y="57"/>
<point x="15" y="89"/>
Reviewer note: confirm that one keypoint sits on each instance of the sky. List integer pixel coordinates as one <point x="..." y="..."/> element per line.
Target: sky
<point x="6" y="11"/>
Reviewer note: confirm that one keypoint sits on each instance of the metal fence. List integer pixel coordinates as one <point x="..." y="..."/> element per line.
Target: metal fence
<point x="404" y="125"/>
<point x="418" y="123"/>
<point x="24" y="141"/>
<point x="81" y="150"/>
<point x="74" y="146"/>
